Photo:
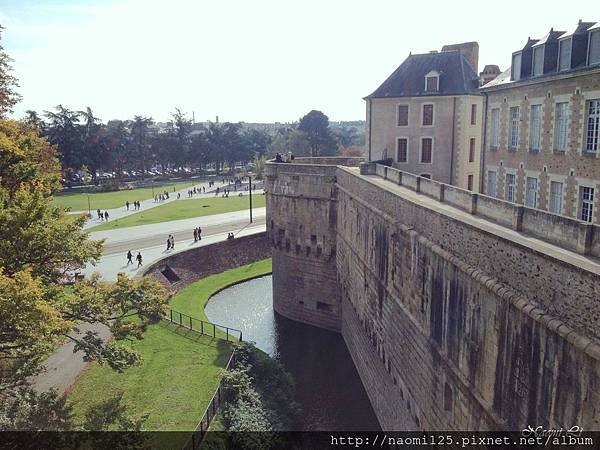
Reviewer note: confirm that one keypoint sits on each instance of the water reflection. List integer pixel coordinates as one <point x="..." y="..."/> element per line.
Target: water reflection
<point x="327" y="384"/>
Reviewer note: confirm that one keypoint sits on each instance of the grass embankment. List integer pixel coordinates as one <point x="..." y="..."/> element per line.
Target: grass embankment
<point x="192" y="299"/>
<point x="109" y="200"/>
<point x="179" y="370"/>
<point x="183" y="209"/>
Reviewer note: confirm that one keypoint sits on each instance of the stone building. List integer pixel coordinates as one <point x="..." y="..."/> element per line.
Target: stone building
<point x="542" y="123"/>
<point x="427" y="116"/>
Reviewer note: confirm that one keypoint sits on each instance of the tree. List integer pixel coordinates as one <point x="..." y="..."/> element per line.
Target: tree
<point x="40" y="248"/>
<point x="180" y="133"/>
<point x="64" y="132"/>
<point x="315" y="125"/>
<point x="33" y="119"/>
<point x="140" y="143"/>
<point x="290" y="140"/>
<point x="8" y="83"/>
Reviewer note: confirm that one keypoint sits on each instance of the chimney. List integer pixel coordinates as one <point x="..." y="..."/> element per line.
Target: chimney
<point x="470" y="51"/>
<point x="490" y="72"/>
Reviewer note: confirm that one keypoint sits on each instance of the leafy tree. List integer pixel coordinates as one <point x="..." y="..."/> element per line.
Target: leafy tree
<point x="33" y="119"/>
<point x="64" y="132"/>
<point x="315" y="125"/>
<point x="8" y="83"/>
<point x="139" y="140"/>
<point x="290" y="140"/>
<point x="39" y="251"/>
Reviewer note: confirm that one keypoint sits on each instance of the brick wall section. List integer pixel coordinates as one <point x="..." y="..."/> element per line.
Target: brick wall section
<point x="200" y="262"/>
<point x="576" y="167"/>
<point x="450" y="326"/>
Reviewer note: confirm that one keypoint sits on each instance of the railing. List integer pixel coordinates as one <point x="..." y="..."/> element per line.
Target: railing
<point x="204" y="327"/>
<point x="209" y="414"/>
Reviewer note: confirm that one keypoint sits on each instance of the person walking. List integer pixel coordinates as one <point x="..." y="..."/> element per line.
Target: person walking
<point x="101" y="216"/>
<point x="195" y="234"/>
<point x="98" y="213"/>
<point x="129" y="257"/>
<point x="169" y="243"/>
<point x="199" y="233"/>
<point x="139" y="259"/>
<point x="105" y="215"/>
<point x="172" y="242"/>
<point x="127" y="204"/>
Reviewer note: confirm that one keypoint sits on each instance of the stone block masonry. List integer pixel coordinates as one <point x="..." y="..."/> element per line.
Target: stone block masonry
<point x="454" y="321"/>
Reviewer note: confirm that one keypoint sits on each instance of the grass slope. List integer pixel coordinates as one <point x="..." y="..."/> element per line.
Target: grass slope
<point x="192" y="299"/>
<point x="180" y="369"/>
<point x="109" y="200"/>
<point x="183" y="209"/>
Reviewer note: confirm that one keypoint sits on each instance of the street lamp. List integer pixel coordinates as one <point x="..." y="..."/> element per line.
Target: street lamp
<point x="250" y="191"/>
<point x="152" y="188"/>
<point x="89" y="206"/>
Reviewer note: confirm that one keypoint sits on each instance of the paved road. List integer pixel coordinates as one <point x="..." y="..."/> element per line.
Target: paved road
<point x="63" y="366"/>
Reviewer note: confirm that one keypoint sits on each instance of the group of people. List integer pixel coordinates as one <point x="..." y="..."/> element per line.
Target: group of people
<point x="194" y="191"/>
<point x="102" y="215"/>
<point x="197" y="234"/>
<point x="170" y="242"/>
<point x="138" y="258"/>
<point x="161" y="197"/>
<point x="279" y="158"/>
<point x="230" y="236"/>
<point x="136" y="205"/>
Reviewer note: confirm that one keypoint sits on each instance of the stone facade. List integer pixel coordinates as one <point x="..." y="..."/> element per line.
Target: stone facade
<point x="572" y="167"/>
<point x="454" y="322"/>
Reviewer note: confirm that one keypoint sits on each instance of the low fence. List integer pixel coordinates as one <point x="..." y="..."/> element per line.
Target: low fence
<point x="566" y="232"/>
<point x="204" y="327"/>
<point x="198" y="434"/>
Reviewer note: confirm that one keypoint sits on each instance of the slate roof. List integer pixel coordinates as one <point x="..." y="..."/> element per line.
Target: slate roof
<point x="457" y="76"/>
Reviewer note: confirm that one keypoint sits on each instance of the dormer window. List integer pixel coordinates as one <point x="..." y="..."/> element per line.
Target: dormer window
<point x="432" y="81"/>
<point x="564" y="54"/>
<point x="516" y="66"/>
<point x="594" y="48"/>
<point x="538" y="61"/>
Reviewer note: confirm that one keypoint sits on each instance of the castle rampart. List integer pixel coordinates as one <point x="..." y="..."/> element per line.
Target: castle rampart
<point x="460" y="311"/>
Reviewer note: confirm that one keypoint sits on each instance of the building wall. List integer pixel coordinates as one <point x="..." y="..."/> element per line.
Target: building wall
<point x="451" y="126"/>
<point x="451" y="325"/>
<point x="573" y="167"/>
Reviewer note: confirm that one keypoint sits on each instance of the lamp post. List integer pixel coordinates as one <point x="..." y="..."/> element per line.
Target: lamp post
<point x="152" y="188"/>
<point x="250" y="191"/>
<point x="89" y="206"/>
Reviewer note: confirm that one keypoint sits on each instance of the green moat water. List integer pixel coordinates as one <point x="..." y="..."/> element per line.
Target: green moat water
<point x="327" y="385"/>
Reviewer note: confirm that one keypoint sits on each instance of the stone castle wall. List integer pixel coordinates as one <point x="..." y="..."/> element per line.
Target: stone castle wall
<point x="453" y="322"/>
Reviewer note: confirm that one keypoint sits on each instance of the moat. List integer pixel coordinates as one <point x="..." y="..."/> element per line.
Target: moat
<point x="327" y="384"/>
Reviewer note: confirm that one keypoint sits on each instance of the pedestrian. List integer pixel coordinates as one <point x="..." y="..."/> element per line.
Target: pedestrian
<point x="199" y="233"/>
<point x="139" y="259"/>
<point x="105" y="215"/>
<point x="172" y="242"/>
<point x="101" y="216"/>
<point x="169" y="243"/>
<point x="127" y="204"/>
<point x="195" y="234"/>
<point x="98" y="213"/>
<point x="203" y="189"/>
<point x="178" y="195"/>
<point x="129" y="257"/>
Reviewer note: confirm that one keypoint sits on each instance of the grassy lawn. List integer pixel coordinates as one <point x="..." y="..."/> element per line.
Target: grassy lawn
<point x="183" y="209"/>
<point x="108" y="200"/>
<point x="174" y="383"/>
<point x="179" y="371"/>
<point x="192" y="299"/>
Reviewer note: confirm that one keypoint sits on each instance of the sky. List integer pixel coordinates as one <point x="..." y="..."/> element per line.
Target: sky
<point x="247" y="60"/>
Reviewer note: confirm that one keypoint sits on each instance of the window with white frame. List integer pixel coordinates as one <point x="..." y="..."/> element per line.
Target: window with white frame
<point x="491" y="183"/>
<point x="586" y="203"/>
<point x="556" y="197"/>
<point x="593" y="125"/>
<point x="594" y="48"/>
<point x="513" y="132"/>
<point x="495" y="132"/>
<point x="560" y="126"/>
<point x="432" y="81"/>
<point x="538" y="61"/>
<point x="564" y="54"/>
<point x="516" y="67"/>
<point x="531" y="192"/>
<point x="510" y="188"/>
<point x="535" y="128"/>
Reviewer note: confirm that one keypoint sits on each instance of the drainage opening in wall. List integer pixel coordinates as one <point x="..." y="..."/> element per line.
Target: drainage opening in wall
<point x="170" y="274"/>
<point x="323" y="307"/>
